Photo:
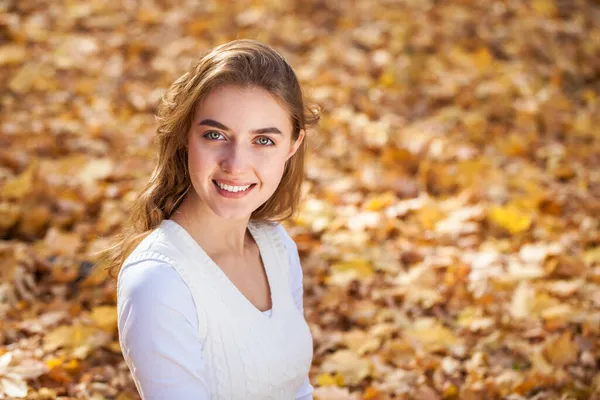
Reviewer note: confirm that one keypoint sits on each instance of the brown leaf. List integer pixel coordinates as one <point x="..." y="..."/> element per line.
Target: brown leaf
<point x="350" y="365"/>
<point x="562" y="350"/>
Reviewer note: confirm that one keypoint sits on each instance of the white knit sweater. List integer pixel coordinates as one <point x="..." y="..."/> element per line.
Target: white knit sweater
<point x="247" y="354"/>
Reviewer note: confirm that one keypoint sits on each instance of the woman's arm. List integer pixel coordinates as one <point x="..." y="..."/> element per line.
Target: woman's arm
<point x="305" y="390"/>
<point x="158" y="332"/>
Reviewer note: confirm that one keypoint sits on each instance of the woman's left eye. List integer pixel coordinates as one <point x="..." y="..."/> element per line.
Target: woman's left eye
<point x="268" y="140"/>
<point x="208" y="135"/>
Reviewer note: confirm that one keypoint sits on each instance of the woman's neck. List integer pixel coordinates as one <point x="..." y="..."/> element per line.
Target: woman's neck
<point x="216" y="236"/>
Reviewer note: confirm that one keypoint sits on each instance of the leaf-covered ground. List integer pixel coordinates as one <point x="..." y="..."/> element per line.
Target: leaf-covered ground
<point x="449" y="230"/>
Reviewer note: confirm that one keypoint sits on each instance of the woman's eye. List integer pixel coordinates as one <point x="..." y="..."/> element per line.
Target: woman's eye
<point x="209" y="133"/>
<point x="267" y="142"/>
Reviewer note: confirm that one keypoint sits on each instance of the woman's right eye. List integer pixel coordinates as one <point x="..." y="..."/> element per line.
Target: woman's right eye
<point x="207" y="135"/>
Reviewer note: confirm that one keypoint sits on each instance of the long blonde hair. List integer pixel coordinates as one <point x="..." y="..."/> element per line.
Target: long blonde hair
<point x="246" y="63"/>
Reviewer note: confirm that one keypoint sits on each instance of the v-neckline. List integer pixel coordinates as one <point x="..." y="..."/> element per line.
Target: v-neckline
<point x="256" y="233"/>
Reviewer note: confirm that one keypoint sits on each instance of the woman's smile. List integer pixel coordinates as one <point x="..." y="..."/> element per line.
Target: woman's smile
<point x="233" y="192"/>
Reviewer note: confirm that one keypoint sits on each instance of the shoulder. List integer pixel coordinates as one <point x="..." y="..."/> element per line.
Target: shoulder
<point x="151" y="285"/>
<point x="149" y="276"/>
<point x="295" y="266"/>
<point x="282" y="239"/>
<point x="288" y="242"/>
<point x="156" y="319"/>
<point x="160" y="246"/>
<point x="292" y="251"/>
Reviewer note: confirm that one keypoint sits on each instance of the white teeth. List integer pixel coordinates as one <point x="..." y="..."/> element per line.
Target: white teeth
<point x="233" y="189"/>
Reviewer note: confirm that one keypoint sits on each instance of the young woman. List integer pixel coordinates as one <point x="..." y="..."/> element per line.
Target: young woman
<point x="209" y="292"/>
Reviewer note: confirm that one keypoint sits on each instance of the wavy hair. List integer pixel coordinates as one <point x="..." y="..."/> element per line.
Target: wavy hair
<point x="245" y="63"/>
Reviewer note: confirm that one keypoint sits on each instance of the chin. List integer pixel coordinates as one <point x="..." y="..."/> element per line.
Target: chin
<point x="233" y="214"/>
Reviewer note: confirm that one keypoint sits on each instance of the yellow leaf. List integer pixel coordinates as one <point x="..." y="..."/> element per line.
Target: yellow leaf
<point x="12" y="54"/>
<point x="381" y="201"/>
<point x="36" y="76"/>
<point x="21" y="186"/>
<point x="562" y="350"/>
<point x="541" y="303"/>
<point x="80" y="334"/>
<point x="67" y="336"/>
<point x="58" y="337"/>
<point x="450" y="391"/>
<point x="589" y="96"/>
<point x="471" y="171"/>
<point x="105" y="317"/>
<point x="583" y="125"/>
<point x="358" y="268"/>
<point x="466" y="316"/>
<point x="560" y="313"/>
<point x="388" y="78"/>
<point x="9" y="215"/>
<point x="514" y="145"/>
<point x="72" y="365"/>
<point x="475" y="124"/>
<point x="592" y="256"/>
<point x="431" y="336"/>
<point x="350" y="365"/>
<point x="330" y="380"/>
<point x="401" y="351"/>
<point x="429" y="216"/>
<point x="95" y="170"/>
<point x="483" y="59"/>
<point x="547" y="8"/>
<point x="115" y="347"/>
<point x="361" y="342"/>
<point x="55" y="362"/>
<point x="539" y="363"/>
<point x="344" y="272"/>
<point x="148" y="15"/>
<point x="510" y="218"/>
<point x="469" y="318"/>
<point x="24" y="79"/>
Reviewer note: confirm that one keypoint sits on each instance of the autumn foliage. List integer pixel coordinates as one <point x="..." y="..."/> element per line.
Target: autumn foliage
<point x="449" y="229"/>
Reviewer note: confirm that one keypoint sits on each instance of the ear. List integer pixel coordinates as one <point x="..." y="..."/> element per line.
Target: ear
<point x="296" y="144"/>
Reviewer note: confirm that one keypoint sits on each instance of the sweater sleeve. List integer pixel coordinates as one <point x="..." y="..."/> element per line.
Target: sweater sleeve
<point x="158" y="331"/>
<point x="305" y="391"/>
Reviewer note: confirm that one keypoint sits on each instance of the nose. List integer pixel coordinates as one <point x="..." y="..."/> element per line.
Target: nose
<point x="234" y="159"/>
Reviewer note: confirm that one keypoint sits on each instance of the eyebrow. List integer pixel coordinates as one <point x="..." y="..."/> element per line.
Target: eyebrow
<point x="218" y="125"/>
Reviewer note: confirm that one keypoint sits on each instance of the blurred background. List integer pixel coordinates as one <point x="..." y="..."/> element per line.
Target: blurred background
<point x="449" y="229"/>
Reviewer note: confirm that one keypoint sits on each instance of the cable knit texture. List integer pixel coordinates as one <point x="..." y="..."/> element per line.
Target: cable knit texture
<point x="250" y="355"/>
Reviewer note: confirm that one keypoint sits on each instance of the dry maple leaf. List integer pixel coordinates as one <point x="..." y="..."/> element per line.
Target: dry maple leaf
<point x="350" y="365"/>
<point x="12" y="377"/>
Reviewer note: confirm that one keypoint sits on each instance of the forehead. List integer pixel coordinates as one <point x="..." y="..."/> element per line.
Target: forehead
<point x="244" y="108"/>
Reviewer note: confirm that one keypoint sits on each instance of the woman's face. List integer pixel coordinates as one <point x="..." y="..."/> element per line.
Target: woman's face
<point x="239" y="137"/>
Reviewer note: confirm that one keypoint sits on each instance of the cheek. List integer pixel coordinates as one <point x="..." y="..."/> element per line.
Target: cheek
<point x="199" y="160"/>
<point x="274" y="169"/>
